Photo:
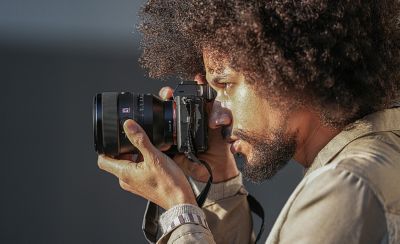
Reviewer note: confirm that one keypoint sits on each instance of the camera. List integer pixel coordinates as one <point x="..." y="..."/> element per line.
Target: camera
<point x="180" y="122"/>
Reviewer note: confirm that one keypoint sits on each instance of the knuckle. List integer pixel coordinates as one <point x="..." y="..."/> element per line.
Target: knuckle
<point x="139" y="139"/>
<point x="157" y="161"/>
<point x="125" y="176"/>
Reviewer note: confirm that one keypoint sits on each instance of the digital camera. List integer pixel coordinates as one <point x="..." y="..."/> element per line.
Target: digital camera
<point x="180" y="122"/>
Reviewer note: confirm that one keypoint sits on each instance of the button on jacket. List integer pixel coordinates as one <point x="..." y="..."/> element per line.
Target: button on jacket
<point x="350" y="194"/>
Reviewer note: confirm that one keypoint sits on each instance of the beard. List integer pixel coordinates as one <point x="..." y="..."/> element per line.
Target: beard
<point x="269" y="154"/>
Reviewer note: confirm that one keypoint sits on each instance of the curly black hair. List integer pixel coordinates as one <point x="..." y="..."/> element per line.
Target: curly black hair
<point x="339" y="57"/>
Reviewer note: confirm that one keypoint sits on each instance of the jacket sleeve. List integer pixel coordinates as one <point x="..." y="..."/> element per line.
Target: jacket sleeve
<point x="338" y="207"/>
<point x="226" y="214"/>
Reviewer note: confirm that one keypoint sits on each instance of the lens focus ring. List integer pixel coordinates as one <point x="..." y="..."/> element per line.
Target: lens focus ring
<point x="110" y="123"/>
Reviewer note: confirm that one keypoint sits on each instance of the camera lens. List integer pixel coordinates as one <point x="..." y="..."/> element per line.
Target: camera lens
<point x="112" y="109"/>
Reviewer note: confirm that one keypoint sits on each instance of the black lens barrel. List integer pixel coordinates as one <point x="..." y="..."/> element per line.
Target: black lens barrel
<point x="112" y="109"/>
<point x="97" y="124"/>
<point x="110" y="123"/>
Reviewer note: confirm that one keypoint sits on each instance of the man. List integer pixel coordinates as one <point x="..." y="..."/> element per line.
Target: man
<point x="315" y="81"/>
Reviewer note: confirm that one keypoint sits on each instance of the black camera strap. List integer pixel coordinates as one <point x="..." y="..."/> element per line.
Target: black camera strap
<point x="254" y="205"/>
<point x="151" y="229"/>
<point x="257" y="209"/>
<point x="150" y="225"/>
<point x="191" y="153"/>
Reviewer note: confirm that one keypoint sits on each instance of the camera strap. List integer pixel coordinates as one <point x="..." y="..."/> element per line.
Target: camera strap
<point x="151" y="229"/>
<point x="201" y="198"/>
<point x="257" y="209"/>
<point x="150" y="225"/>
<point x="190" y="151"/>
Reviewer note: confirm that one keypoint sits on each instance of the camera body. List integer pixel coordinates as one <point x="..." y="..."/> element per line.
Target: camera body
<point x="180" y="122"/>
<point x="192" y="122"/>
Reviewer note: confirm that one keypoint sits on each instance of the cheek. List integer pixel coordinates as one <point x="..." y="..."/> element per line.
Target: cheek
<point x="249" y="112"/>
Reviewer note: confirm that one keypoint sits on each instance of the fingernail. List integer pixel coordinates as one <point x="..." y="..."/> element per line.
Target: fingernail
<point x="131" y="126"/>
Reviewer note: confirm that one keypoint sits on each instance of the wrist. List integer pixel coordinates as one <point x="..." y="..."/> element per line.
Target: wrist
<point x="179" y="198"/>
<point x="173" y="217"/>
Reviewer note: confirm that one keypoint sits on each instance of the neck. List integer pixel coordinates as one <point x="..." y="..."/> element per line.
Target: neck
<point x="316" y="138"/>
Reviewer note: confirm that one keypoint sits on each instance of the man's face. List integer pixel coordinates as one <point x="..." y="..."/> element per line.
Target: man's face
<point x="255" y="130"/>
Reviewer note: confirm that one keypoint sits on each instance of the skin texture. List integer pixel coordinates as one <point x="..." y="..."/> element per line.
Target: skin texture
<point x="218" y="156"/>
<point x="304" y="70"/>
<point x="155" y="178"/>
<point x="254" y="128"/>
<point x="268" y="136"/>
<point x="237" y="107"/>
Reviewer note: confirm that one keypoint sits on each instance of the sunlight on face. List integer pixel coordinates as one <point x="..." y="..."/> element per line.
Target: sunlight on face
<point x="256" y="130"/>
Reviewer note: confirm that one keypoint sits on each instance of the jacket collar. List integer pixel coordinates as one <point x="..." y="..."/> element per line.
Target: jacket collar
<point x="384" y="120"/>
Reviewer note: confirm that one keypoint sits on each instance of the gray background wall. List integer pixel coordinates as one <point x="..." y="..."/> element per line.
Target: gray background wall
<point x="54" y="56"/>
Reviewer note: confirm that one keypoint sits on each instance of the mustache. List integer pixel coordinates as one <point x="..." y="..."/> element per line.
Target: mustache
<point x="243" y="135"/>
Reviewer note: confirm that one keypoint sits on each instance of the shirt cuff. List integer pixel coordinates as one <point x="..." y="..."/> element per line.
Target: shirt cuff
<point x="182" y="214"/>
<point x="219" y="191"/>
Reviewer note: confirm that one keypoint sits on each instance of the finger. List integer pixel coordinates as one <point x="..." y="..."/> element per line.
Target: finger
<point x="137" y="136"/>
<point x="200" y="79"/>
<point x="218" y="120"/>
<point x="166" y="92"/>
<point x="164" y="148"/>
<point x="198" y="171"/>
<point x="184" y="163"/>
<point x="113" y="166"/>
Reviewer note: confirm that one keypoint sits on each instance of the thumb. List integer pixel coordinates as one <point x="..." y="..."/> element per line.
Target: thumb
<point x="137" y="136"/>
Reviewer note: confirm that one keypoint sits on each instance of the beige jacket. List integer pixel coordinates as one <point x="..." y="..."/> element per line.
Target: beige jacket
<point x="350" y="194"/>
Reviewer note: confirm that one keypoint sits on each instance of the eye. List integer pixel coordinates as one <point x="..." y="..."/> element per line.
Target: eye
<point x="227" y="85"/>
<point x="224" y="84"/>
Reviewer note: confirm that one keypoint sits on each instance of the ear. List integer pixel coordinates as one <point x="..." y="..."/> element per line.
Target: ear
<point x="200" y="79"/>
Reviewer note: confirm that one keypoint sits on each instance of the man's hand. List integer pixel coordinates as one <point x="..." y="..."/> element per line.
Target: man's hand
<point x="218" y="155"/>
<point x="156" y="178"/>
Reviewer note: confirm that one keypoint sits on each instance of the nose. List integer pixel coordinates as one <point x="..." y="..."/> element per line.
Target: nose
<point x="219" y="116"/>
